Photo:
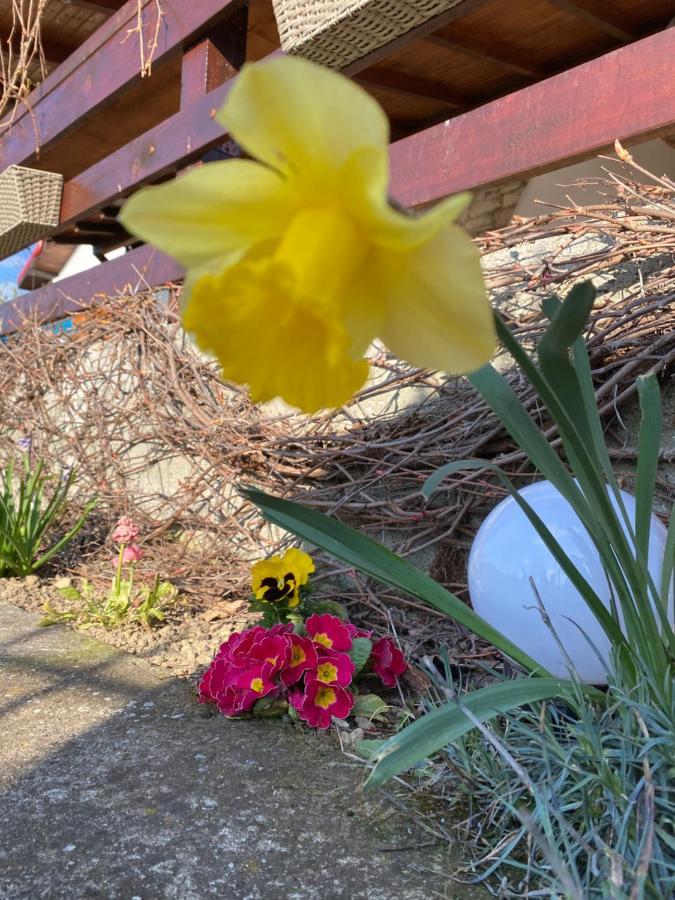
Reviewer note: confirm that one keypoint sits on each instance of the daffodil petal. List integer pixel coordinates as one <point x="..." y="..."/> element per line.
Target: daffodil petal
<point x="215" y="212"/>
<point x="364" y="183"/>
<point x="438" y="314"/>
<point x="275" y="345"/>
<point x="301" y="118"/>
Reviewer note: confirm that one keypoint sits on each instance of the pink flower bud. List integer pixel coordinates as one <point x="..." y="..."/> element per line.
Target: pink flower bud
<point x="131" y="554"/>
<point x="126" y="531"/>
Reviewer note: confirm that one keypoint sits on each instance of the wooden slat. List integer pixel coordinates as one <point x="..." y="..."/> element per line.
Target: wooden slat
<point x="602" y="14"/>
<point x="136" y="270"/>
<point x="553" y="123"/>
<point x="408" y="86"/>
<point x="96" y="72"/>
<point x="488" y="52"/>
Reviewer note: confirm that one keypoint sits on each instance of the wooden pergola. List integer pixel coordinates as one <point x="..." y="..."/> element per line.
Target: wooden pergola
<point x="484" y="93"/>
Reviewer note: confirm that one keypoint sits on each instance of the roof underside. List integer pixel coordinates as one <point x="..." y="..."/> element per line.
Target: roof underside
<point x="485" y="49"/>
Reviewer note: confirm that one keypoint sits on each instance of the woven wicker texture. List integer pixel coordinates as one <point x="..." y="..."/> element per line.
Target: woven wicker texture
<point x="30" y="207"/>
<point x="338" y="32"/>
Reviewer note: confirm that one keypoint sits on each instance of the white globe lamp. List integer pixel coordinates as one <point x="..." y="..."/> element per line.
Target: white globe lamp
<point x="507" y="552"/>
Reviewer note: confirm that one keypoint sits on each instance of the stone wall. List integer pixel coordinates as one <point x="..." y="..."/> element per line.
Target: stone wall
<point x="492" y="207"/>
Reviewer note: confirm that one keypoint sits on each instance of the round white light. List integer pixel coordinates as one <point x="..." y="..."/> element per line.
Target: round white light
<point x="507" y="552"/>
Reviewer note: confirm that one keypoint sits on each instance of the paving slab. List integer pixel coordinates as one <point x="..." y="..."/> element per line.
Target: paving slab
<point x="116" y="783"/>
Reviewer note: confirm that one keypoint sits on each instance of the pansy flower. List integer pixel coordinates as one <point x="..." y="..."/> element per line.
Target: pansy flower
<point x="279" y="579"/>
<point x="321" y="702"/>
<point x="329" y="631"/>
<point x="296" y="260"/>
<point x="387" y="661"/>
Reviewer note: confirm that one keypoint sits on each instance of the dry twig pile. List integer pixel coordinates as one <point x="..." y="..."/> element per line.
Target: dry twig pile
<point x="154" y="432"/>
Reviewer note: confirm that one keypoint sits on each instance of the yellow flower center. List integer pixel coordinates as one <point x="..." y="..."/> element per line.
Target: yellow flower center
<point x="323" y="639"/>
<point x="274" y="308"/>
<point x="326" y="672"/>
<point x="297" y="655"/>
<point x="322" y="251"/>
<point x="257" y="685"/>
<point x="325" y="697"/>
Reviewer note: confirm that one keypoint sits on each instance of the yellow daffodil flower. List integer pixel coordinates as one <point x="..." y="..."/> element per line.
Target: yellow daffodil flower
<point x="279" y="579"/>
<point x="296" y="260"/>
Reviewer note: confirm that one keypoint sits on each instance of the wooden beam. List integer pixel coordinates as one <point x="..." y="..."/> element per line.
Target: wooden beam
<point x="464" y="8"/>
<point x="602" y="15"/>
<point x="99" y="6"/>
<point x="408" y="86"/>
<point x="178" y="140"/>
<point x="135" y="271"/>
<point x="101" y="68"/>
<point x="555" y="122"/>
<point x="215" y="59"/>
<point x="540" y="127"/>
<point x="489" y="52"/>
<point x="566" y="118"/>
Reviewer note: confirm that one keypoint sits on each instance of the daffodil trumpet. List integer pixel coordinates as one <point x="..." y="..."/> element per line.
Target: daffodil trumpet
<point x="296" y="260"/>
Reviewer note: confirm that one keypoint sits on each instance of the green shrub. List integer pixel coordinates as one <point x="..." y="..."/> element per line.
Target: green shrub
<point x="28" y="509"/>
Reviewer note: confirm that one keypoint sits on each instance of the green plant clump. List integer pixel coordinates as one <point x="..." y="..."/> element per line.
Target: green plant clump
<point x="572" y="786"/>
<point x="122" y="604"/>
<point x="26" y="514"/>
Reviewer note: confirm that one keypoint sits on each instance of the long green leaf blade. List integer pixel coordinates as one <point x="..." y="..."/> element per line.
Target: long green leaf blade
<point x="439" y="728"/>
<point x="649" y="440"/>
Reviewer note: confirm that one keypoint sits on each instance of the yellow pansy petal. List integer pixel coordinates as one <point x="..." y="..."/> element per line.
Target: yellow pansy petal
<point x="264" y="338"/>
<point x="299" y="563"/>
<point x="364" y="182"/>
<point x="266" y="568"/>
<point x="438" y="315"/>
<point x="220" y="210"/>
<point x="301" y="118"/>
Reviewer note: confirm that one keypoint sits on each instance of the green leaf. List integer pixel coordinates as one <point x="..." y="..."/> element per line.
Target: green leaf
<point x="69" y="593"/>
<point x="668" y="561"/>
<point x="445" y="724"/>
<point x="370" y="706"/>
<point x="369" y="749"/>
<point x="375" y="560"/>
<point x="649" y="440"/>
<point x="326" y="606"/>
<point x="360" y="653"/>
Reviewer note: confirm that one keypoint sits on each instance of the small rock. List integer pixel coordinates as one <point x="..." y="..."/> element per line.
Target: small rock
<point x="221" y="610"/>
<point x="62" y="583"/>
<point x="31" y="581"/>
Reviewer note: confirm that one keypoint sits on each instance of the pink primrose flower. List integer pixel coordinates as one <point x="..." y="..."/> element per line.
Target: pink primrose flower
<point x="329" y="631"/>
<point x="334" y="668"/>
<point x="126" y="531"/>
<point x="273" y="650"/>
<point x="355" y="632"/>
<point x="387" y="661"/>
<point x="321" y="702"/>
<point x="302" y="657"/>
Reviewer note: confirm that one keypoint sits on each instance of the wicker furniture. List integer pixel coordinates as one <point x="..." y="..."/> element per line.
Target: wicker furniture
<point x="338" y="32"/>
<point x="30" y="207"/>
